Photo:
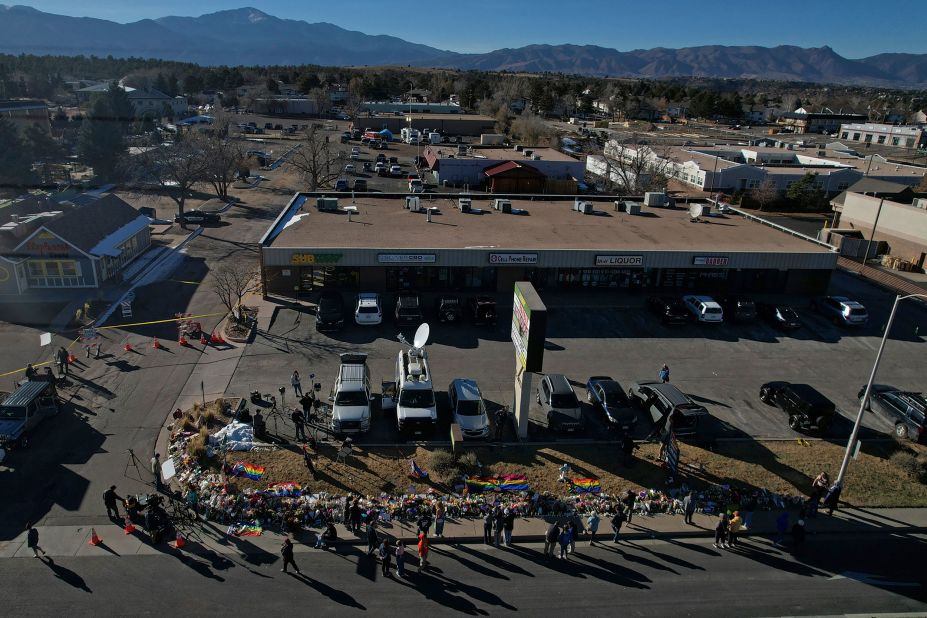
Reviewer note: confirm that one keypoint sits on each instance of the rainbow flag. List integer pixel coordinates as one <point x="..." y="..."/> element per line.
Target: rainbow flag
<point x="479" y="484"/>
<point x="513" y="482"/>
<point x="249" y="470"/>
<point x="245" y="529"/>
<point x="585" y="486"/>
<point x="282" y="490"/>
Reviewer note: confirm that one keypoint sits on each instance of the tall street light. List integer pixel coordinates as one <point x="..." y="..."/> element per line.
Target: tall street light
<point x="865" y="399"/>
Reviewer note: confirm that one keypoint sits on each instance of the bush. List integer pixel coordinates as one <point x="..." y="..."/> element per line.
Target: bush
<point x="468" y="462"/>
<point x="446" y="467"/>
<point x="915" y="466"/>
<point x="188" y="423"/>
<point x="198" y="445"/>
<point x="209" y="418"/>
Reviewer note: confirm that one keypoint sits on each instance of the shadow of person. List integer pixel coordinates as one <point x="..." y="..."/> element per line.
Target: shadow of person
<point x="199" y="567"/>
<point x="495" y="561"/>
<point x="67" y="575"/>
<point x="338" y="596"/>
<point x="473" y="566"/>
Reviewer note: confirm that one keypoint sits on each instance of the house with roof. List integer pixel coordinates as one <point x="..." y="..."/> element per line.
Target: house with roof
<point x="145" y="101"/>
<point x="79" y="244"/>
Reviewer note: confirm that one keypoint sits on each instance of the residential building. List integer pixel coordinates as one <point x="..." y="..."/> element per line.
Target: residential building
<point x="145" y="101"/>
<point x="904" y="136"/>
<point x="803" y="121"/>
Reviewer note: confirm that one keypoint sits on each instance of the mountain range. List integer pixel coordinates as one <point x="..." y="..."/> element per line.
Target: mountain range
<point x="248" y="36"/>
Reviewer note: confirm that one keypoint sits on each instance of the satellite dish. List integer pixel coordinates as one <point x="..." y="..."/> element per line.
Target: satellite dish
<point x="421" y="336"/>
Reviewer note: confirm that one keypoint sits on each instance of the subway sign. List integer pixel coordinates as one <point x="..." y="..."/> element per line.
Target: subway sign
<point x="304" y="259"/>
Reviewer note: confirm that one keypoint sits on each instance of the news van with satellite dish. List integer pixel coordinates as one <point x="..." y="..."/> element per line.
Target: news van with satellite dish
<point x="413" y="394"/>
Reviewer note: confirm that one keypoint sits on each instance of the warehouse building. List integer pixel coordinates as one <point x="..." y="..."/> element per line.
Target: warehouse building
<point x="386" y="244"/>
<point x="553" y="171"/>
<point x="470" y="125"/>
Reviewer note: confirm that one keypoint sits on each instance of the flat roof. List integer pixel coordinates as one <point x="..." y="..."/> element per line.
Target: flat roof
<point x="448" y="151"/>
<point x="550" y="224"/>
<point x="473" y="117"/>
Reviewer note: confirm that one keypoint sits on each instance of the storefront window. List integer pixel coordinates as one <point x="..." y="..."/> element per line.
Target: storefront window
<point x="53" y="273"/>
<point x="620" y="278"/>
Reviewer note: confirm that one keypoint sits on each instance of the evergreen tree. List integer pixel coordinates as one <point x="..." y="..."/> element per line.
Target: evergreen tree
<point x="15" y="162"/>
<point x="100" y="143"/>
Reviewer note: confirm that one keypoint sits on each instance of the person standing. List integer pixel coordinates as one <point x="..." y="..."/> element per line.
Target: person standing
<point x="487" y="527"/>
<point x="592" y="525"/>
<point x="508" y="525"/>
<point x="629" y="499"/>
<point x="818" y="489"/>
<point x="501" y="417"/>
<point x="497" y="524"/>
<point x="573" y="530"/>
<point x="156" y="471"/>
<point x="386" y="556"/>
<point x="664" y="373"/>
<point x="372" y="540"/>
<point x="109" y="500"/>
<point x="286" y="550"/>
<point x="31" y="373"/>
<point x="355" y="517"/>
<point x="551" y="538"/>
<point x="798" y="533"/>
<point x="627" y="448"/>
<point x="721" y="531"/>
<point x="32" y="541"/>
<point x="782" y="527"/>
<point x="733" y="529"/>
<point x="423" y="548"/>
<point x="193" y="499"/>
<point x="565" y="543"/>
<point x="440" y="512"/>
<point x="688" y="507"/>
<point x="299" y="423"/>
<point x="832" y="498"/>
<point x="400" y="559"/>
<point x="61" y="359"/>
<point x="617" y="520"/>
<point x="307" y="459"/>
<point x="297" y="386"/>
<point x="748" y="506"/>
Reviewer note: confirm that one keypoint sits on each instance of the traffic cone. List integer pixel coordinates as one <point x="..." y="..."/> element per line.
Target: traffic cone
<point x="127" y="347"/>
<point x="213" y="337"/>
<point x="180" y="542"/>
<point x="203" y="339"/>
<point x="129" y="527"/>
<point x="71" y="358"/>
<point x="182" y="340"/>
<point x="94" y="539"/>
<point x="156" y="344"/>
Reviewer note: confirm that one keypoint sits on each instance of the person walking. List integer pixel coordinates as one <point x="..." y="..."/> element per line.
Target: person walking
<point x="501" y="416"/>
<point x="508" y="525"/>
<point x="592" y="525"/>
<point x="664" y="373"/>
<point x="297" y="385"/>
<point x="551" y="538"/>
<point x="440" y="512"/>
<point x="629" y="499"/>
<point x="372" y="539"/>
<point x="109" y="500"/>
<point x="156" y="471"/>
<point x="617" y="520"/>
<point x="487" y="527"/>
<point x="400" y="559"/>
<point x="386" y="557"/>
<point x="286" y="550"/>
<point x="782" y="527"/>
<point x="565" y="543"/>
<point x="32" y="541"/>
<point x="832" y="498"/>
<point x="733" y="529"/>
<point x="423" y="548"/>
<point x="688" y="507"/>
<point x="721" y="531"/>
<point x="497" y="524"/>
<point x="299" y="424"/>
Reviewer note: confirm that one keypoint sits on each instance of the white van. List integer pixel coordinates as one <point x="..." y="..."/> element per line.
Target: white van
<point x="704" y="308"/>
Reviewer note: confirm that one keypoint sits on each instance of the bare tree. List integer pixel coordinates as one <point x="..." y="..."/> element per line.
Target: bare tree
<point x="531" y="129"/>
<point x="765" y="193"/>
<point x="634" y="169"/>
<point x="318" y="160"/>
<point x="231" y="281"/>
<point x="322" y="100"/>
<point x="176" y="167"/>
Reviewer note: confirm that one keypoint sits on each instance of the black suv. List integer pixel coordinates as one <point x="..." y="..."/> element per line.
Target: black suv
<point x="807" y="408"/>
<point x="409" y="308"/>
<point x="738" y="309"/>
<point x="781" y="317"/>
<point x="906" y="410"/>
<point x="483" y="310"/>
<point x="669" y="310"/>
<point x="329" y="313"/>
<point x="449" y="308"/>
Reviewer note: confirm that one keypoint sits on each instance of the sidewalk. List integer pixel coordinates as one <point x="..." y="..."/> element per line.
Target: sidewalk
<point x="63" y="541"/>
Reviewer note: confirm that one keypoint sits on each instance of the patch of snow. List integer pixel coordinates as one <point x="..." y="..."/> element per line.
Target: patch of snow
<point x="235" y="437"/>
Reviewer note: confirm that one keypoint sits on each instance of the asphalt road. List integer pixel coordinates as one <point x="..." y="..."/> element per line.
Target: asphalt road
<point x="831" y="575"/>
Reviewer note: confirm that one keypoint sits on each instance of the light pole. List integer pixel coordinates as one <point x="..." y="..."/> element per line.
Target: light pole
<point x="872" y="233"/>
<point x="865" y="399"/>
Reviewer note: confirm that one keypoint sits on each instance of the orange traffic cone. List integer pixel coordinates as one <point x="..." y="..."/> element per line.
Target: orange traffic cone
<point x="94" y="539"/>
<point x="182" y="340"/>
<point x="71" y="358"/>
<point x="156" y="344"/>
<point x="203" y="339"/>
<point x="213" y="337"/>
<point x="180" y="542"/>
<point x="127" y="347"/>
<point x="129" y="527"/>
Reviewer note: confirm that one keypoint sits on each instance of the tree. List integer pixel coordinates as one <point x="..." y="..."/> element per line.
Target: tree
<point x="765" y="193"/>
<point x="232" y="280"/>
<point x="175" y="167"/>
<point x="317" y="160"/>
<point x="806" y="194"/>
<point x="531" y="129"/>
<point x="15" y="165"/>
<point x="120" y="108"/>
<point x="321" y="98"/>
<point x="101" y="143"/>
<point x="308" y="82"/>
<point x="272" y="86"/>
<point x="222" y="157"/>
<point x="634" y="169"/>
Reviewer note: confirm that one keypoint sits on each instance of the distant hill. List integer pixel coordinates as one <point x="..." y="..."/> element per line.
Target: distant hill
<point x="248" y="36"/>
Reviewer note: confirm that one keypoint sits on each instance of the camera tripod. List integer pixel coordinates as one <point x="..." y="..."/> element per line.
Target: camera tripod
<point x="133" y="460"/>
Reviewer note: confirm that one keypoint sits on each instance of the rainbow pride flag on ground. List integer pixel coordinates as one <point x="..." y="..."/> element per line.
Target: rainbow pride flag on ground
<point x="585" y="486"/>
<point x="249" y="470"/>
<point x="504" y="482"/>
<point x="282" y="490"/>
<point x="479" y="484"/>
<point x="245" y="529"/>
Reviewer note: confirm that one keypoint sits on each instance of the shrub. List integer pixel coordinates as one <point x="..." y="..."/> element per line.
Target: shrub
<point x="188" y="423"/>
<point x="443" y="464"/>
<point x="209" y="418"/>
<point x="198" y="445"/>
<point x="468" y="462"/>
<point x="915" y="466"/>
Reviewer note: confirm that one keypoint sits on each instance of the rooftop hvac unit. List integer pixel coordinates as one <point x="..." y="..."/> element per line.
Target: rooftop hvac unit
<point x="921" y="202"/>
<point x="536" y="157"/>
<point x="528" y="152"/>
<point x="503" y="205"/>
<point x="632" y="208"/>
<point x="519" y="147"/>
<point x="327" y="204"/>
<point x="654" y="198"/>
<point x="465" y="204"/>
<point x="412" y="203"/>
<point x="583" y="207"/>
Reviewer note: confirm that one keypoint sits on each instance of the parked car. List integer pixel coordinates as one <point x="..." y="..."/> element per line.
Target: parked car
<point x="368" y="311"/>
<point x="906" y="410"/>
<point x="807" y="408"/>
<point x="482" y="309"/>
<point x="468" y="408"/>
<point x="669" y="310"/>
<point x="395" y="170"/>
<point x="409" y="308"/>
<point x="738" y="308"/>
<point x="198" y="216"/>
<point x="559" y="403"/>
<point x="667" y="405"/>
<point x="607" y="394"/>
<point x="360" y="185"/>
<point x="329" y="312"/>
<point x="380" y="169"/>
<point x="350" y="396"/>
<point x="32" y="402"/>
<point x="704" y="308"/>
<point x="841" y="310"/>
<point x="782" y="317"/>
<point x="341" y="184"/>
<point x="355" y="156"/>
<point x="350" y="169"/>
<point x="416" y="186"/>
<point x="449" y="308"/>
<point x="381" y="158"/>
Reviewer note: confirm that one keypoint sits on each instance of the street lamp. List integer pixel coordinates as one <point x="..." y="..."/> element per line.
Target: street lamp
<point x="865" y="399"/>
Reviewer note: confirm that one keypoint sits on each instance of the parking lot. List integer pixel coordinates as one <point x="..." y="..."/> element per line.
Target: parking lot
<point x="719" y="366"/>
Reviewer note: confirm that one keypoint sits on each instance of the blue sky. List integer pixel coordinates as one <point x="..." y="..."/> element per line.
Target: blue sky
<point x="854" y="28"/>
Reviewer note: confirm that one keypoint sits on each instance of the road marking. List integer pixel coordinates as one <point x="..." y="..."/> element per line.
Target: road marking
<point x="873" y="580"/>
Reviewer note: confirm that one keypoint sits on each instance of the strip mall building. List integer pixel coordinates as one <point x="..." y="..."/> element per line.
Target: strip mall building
<point x="382" y="243"/>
